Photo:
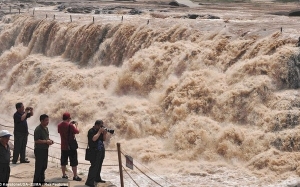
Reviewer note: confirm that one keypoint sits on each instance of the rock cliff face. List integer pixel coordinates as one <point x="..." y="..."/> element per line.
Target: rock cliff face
<point x="294" y="13"/>
<point x="294" y="72"/>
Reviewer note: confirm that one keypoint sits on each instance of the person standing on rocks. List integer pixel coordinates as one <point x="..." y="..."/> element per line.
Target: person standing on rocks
<point x="41" y="146"/>
<point x="96" y="136"/>
<point x="4" y="157"/>
<point x="67" y="130"/>
<point x="21" y="132"/>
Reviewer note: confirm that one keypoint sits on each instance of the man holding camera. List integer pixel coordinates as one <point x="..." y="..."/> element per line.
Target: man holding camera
<point x="96" y="136"/>
<point x="21" y="132"/>
<point x="66" y="129"/>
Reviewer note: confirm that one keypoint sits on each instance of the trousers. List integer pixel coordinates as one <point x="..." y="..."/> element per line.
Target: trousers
<point x="96" y="166"/>
<point x="4" y="174"/>
<point x="20" y="140"/>
<point x="41" y="163"/>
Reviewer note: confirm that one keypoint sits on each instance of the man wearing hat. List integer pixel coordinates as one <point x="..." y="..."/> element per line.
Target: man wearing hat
<point x="96" y="136"/>
<point x="67" y="130"/>
<point x="4" y="157"/>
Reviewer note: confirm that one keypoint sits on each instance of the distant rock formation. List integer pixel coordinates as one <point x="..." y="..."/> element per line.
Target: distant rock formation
<point x="174" y="3"/>
<point x="294" y="13"/>
<point x="1" y="14"/>
<point x="134" y="11"/>
<point x="79" y="9"/>
<point x="195" y="16"/>
<point x="61" y="7"/>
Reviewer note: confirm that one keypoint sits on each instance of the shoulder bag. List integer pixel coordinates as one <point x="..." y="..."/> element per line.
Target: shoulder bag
<point x="88" y="153"/>
<point x="72" y="143"/>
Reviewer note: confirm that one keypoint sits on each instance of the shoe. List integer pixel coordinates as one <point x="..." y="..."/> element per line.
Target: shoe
<point x="77" y="178"/>
<point x="25" y="161"/>
<point x="90" y="185"/>
<point x="65" y="177"/>
<point x="101" y="181"/>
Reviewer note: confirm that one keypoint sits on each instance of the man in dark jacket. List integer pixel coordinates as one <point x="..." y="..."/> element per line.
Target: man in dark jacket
<point x="21" y="132"/>
<point x="96" y="136"/>
<point x="4" y="157"/>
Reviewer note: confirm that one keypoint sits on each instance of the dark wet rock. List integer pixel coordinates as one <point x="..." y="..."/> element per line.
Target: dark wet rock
<point x="286" y="143"/>
<point x="174" y="3"/>
<point x="107" y="12"/>
<point x="293" y="80"/>
<point x="295" y="184"/>
<point x="1" y="14"/>
<point x="79" y="9"/>
<point x="285" y="120"/>
<point x="281" y="13"/>
<point x="277" y="143"/>
<point x="211" y="17"/>
<point x="61" y="7"/>
<point x="285" y="13"/>
<point x="192" y="16"/>
<point x="196" y="16"/>
<point x="116" y="7"/>
<point x="109" y="8"/>
<point x="47" y="3"/>
<point x="74" y="10"/>
<point x="199" y="174"/>
<point x="113" y="9"/>
<point x="294" y="13"/>
<point x="134" y="12"/>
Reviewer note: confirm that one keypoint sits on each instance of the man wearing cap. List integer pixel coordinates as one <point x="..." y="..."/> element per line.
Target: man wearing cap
<point x="96" y="136"/>
<point x="21" y="132"/>
<point x="4" y="157"/>
<point x="67" y="130"/>
<point x="41" y="146"/>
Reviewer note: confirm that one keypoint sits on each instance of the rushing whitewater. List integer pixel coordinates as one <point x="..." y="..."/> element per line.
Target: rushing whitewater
<point x="182" y="98"/>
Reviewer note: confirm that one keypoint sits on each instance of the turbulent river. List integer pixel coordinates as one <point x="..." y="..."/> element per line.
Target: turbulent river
<point x="199" y="102"/>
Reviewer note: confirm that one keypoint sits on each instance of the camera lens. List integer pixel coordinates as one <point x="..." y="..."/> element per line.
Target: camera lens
<point x="111" y="131"/>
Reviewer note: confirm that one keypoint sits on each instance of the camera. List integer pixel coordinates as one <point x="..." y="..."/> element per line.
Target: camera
<point x="74" y="122"/>
<point x="109" y="130"/>
<point x="28" y="109"/>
